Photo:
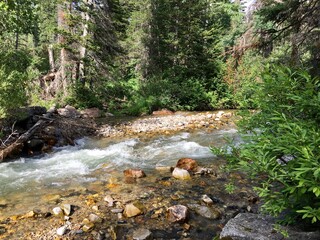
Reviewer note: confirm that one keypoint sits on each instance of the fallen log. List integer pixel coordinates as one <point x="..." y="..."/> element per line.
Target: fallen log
<point x="17" y="146"/>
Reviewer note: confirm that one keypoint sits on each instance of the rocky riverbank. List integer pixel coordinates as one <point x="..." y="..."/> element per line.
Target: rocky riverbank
<point x="186" y="201"/>
<point x="189" y="200"/>
<point x="124" y="207"/>
<point x="65" y="125"/>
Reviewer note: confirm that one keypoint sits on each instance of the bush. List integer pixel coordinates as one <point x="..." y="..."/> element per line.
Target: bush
<point x="83" y="97"/>
<point x="283" y="152"/>
<point x="13" y="80"/>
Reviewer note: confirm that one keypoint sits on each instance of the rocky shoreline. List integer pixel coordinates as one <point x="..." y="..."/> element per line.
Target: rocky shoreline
<point x="185" y="201"/>
<point x="65" y="125"/>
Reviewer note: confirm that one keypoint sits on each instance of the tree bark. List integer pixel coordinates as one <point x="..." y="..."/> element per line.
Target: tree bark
<point x="61" y="80"/>
<point x="51" y="58"/>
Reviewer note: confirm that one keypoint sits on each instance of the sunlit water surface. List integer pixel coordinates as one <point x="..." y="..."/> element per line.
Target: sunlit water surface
<point x="24" y="182"/>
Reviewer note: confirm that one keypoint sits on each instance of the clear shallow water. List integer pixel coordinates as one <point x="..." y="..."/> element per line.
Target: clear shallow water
<point x="24" y="181"/>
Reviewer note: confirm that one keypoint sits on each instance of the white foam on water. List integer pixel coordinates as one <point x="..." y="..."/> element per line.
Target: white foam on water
<point x="75" y="163"/>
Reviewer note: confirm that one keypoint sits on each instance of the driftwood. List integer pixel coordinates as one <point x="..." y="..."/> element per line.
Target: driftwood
<point x="17" y="145"/>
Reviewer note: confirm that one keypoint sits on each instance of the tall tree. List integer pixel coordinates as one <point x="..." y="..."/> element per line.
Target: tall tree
<point x="298" y="22"/>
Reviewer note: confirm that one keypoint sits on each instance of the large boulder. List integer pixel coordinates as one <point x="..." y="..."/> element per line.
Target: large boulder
<point x="249" y="226"/>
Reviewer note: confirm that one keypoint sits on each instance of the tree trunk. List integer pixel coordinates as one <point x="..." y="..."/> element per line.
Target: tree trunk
<point x="51" y="58"/>
<point x="83" y="48"/>
<point x="61" y="80"/>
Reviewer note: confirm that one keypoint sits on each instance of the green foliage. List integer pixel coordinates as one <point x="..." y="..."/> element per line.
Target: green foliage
<point x="282" y="151"/>
<point x="13" y="80"/>
<point x="244" y="80"/>
<point x="175" y="94"/>
<point x="83" y="97"/>
<point x="230" y="187"/>
<point x="278" y="228"/>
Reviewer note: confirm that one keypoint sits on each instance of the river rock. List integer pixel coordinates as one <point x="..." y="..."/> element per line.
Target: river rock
<point x="247" y="226"/>
<point x="30" y="214"/>
<point x="117" y="210"/>
<point x="87" y="227"/>
<point x="57" y="211"/>
<point x="61" y="230"/>
<point x="162" y="112"/>
<point x="142" y="234"/>
<point x="134" y="173"/>
<point x="181" y="174"/>
<point x="207" y="199"/>
<point x="69" y="112"/>
<point x="3" y="203"/>
<point x="66" y="209"/>
<point x="131" y="210"/>
<point x="94" y="218"/>
<point x="207" y="212"/>
<point x="109" y="200"/>
<point x="177" y="213"/>
<point x="188" y="164"/>
<point x="51" y="198"/>
<point x="91" y="113"/>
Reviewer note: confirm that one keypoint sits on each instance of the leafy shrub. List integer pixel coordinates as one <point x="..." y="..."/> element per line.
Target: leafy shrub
<point x="244" y="79"/>
<point x="83" y="97"/>
<point x="13" y="80"/>
<point x="282" y="151"/>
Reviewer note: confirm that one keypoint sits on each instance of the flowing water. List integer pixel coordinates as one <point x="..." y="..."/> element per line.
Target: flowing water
<point x="24" y="182"/>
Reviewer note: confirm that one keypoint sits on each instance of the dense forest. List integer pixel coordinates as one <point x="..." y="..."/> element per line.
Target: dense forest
<point x="134" y="57"/>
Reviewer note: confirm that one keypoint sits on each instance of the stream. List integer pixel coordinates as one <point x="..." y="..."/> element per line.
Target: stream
<point x="95" y="166"/>
<point x="24" y="181"/>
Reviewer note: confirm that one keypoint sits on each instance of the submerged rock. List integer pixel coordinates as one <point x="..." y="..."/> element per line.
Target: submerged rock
<point x="177" y="213"/>
<point x="131" y="210"/>
<point x="142" y="234"/>
<point x="181" y="174"/>
<point x="208" y="212"/>
<point x="207" y="199"/>
<point x="134" y="173"/>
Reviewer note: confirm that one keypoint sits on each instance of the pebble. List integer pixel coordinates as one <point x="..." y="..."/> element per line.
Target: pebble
<point x="131" y="210"/>
<point x="61" y="230"/>
<point x="87" y="227"/>
<point x="94" y="218"/>
<point x="57" y="211"/>
<point x="207" y="200"/>
<point x="117" y="210"/>
<point x="181" y="174"/>
<point x="109" y="200"/>
<point x="66" y="209"/>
